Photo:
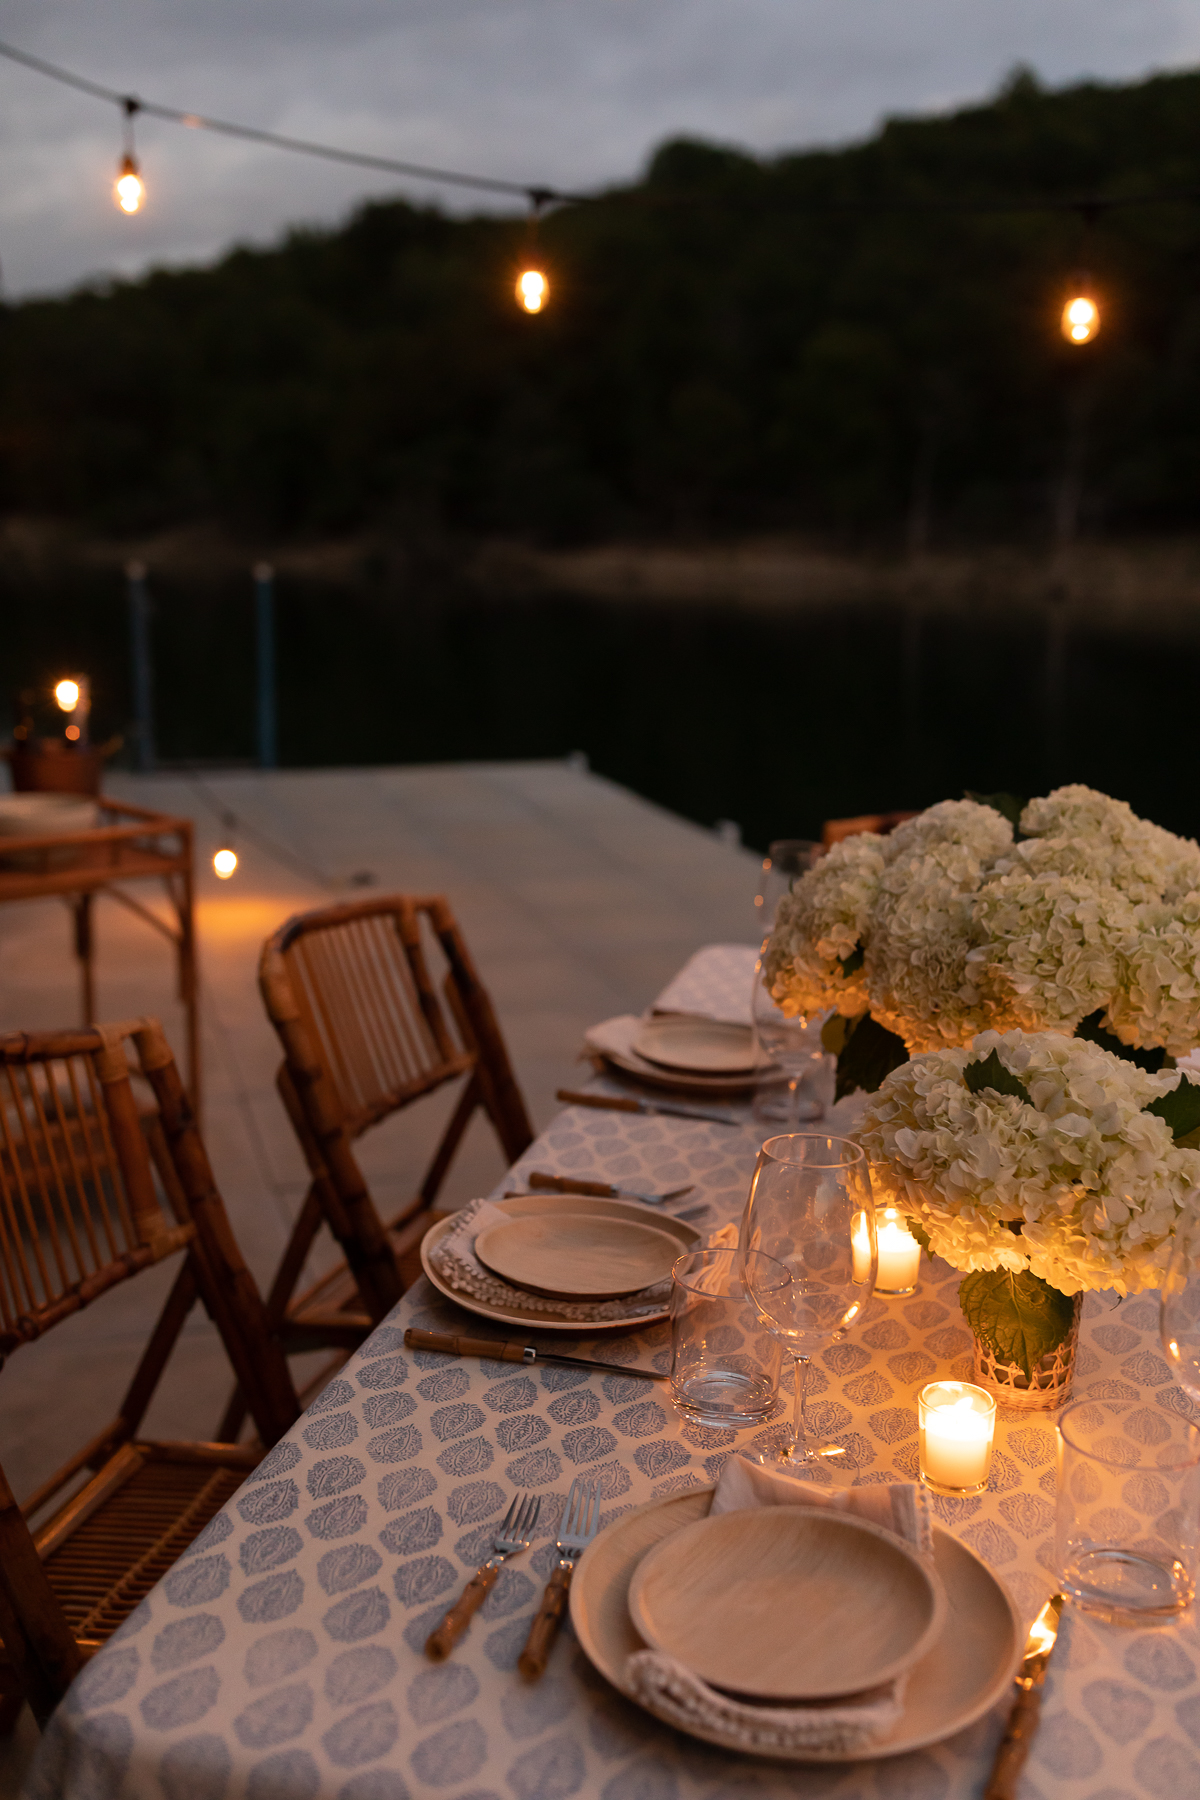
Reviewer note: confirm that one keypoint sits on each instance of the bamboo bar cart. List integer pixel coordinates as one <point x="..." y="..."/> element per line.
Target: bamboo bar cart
<point x="133" y="844"/>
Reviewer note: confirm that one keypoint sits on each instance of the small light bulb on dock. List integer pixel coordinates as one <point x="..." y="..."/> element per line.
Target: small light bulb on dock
<point x="67" y="695"/>
<point x="224" y="863"/>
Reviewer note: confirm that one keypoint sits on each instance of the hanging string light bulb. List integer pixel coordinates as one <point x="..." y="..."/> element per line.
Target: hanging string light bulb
<point x="533" y="289"/>
<point x="129" y="190"/>
<point x="1080" y="319"/>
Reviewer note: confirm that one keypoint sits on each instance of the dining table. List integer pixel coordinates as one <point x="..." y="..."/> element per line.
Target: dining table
<point x="282" y="1658"/>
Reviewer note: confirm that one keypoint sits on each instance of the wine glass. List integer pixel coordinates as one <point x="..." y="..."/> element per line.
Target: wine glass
<point x="786" y="860"/>
<point x="1179" y="1312"/>
<point x="795" y="1044"/>
<point x="810" y="1208"/>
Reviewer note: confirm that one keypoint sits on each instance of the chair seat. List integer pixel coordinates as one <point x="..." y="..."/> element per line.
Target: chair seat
<point x="111" y="1557"/>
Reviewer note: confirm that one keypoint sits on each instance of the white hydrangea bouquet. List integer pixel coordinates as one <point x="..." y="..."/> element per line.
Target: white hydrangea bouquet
<point x="1069" y="914"/>
<point x="1044" y="1166"/>
<point x="1040" y="966"/>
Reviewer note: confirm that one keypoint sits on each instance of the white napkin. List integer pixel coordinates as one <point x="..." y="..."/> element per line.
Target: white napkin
<point x="459" y="1267"/>
<point x="614" y="1035"/>
<point x="848" y="1723"/>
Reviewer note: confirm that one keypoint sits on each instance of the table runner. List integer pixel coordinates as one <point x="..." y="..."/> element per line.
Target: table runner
<point x="281" y="1658"/>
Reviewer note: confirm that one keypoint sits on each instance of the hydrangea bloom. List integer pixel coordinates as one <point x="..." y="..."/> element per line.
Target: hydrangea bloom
<point x="961" y="928"/>
<point x="820" y="925"/>
<point x="1079" y="1184"/>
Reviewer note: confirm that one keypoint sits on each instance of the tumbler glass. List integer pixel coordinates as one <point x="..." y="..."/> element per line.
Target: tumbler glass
<point x="1128" y="1521"/>
<point x="724" y="1361"/>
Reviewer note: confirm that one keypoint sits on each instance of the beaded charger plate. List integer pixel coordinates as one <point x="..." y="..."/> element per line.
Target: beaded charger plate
<point x="531" y="1319"/>
<point x="970" y="1666"/>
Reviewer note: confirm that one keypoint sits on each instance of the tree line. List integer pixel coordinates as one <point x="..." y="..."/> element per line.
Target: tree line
<point x="862" y="342"/>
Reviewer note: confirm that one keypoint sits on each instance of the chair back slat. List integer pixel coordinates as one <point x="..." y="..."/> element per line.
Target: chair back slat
<point x="363" y="991"/>
<point x="78" y="1206"/>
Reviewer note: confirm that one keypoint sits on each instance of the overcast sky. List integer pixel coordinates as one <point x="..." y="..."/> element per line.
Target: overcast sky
<point x="566" y="92"/>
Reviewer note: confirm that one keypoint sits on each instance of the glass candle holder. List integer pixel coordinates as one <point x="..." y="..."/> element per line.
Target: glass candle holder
<point x="899" y="1255"/>
<point x="957" y="1424"/>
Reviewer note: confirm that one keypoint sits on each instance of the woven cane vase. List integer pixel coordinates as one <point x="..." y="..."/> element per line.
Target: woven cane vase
<point x="1052" y="1377"/>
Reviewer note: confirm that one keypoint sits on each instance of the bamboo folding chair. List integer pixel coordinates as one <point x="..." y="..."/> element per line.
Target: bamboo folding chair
<point x="364" y="1033"/>
<point x="80" y="1213"/>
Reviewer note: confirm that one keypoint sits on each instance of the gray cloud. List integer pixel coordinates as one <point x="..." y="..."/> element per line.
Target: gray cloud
<point x="571" y="92"/>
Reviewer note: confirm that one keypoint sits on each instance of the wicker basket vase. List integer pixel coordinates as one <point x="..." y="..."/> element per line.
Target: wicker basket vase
<point x="1051" y="1384"/>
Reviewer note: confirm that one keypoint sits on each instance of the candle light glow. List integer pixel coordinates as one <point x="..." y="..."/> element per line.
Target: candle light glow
<point x="957" y="1424"/>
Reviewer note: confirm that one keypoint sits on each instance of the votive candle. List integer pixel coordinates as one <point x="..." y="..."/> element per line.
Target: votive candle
<point x="957" y="1424"/>
<point x="899" y="1256"/>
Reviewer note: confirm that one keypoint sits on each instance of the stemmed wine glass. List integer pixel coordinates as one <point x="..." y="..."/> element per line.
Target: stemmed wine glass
<point x="810" y="1208"/>
<point x="795" y="1044"/>
<point x="1179" y="1312"/>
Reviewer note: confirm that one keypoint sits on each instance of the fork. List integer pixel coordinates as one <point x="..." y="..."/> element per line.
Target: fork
<point x="580" y="1523"/>
<point x="605" y="1190"/>
<point x="512" y="1537"/>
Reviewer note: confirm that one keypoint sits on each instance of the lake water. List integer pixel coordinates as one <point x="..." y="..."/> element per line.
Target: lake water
<point x="771" y="717"/>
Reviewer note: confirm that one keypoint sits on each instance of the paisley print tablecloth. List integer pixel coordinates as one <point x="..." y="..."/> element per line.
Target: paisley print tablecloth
<point x="281" y="1658"/>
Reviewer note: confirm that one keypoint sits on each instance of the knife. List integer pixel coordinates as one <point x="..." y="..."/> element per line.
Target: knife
<point x="603" y="1190"/>
<point x="512" y="1350"/>
<point x="1023" y="1720"/>
<point x="617" y="1103"/>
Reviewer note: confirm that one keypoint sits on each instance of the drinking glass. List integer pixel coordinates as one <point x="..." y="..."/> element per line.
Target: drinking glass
<point x="795" y="1045"/>
<point x="810" y="1199"/>
<point x="786" y="859"/>
<point x="1128" y="1516"/>
<point x="1179" y="1312"/>
<point x="724" y="1363"/>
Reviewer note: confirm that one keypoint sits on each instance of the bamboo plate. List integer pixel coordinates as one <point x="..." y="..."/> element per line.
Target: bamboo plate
<point x="578" y="1255"/>
<point x="787" y="1602"/>
<point x="700" y="1047"/>
<point x="966" y="1671"/>
<point x="520" y="1205"/>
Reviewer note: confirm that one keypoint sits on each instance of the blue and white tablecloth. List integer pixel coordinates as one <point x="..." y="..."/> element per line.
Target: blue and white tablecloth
<point x="281" y="1659"/>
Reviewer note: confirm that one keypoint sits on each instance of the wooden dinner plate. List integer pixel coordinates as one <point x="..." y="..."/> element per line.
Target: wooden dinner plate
<point x="522" y="1205"/>
<point x="965" y="1671"/>
<point x="787" y="1602"/>
<point x="578" y="1255"/>
<point x="700" y="1047"/>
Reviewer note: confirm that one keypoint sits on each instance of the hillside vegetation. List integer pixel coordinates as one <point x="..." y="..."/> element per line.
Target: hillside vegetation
<point x="733" y="345"/>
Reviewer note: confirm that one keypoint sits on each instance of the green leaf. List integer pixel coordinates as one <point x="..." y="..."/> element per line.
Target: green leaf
<point x="921" y="1235"/>
<point x="1020" y="1318"/>
<point x="870" y="1052"/>
<point x="834" y="1033"/>
<point x="1007" y="805"/>
<point x="1181" y="1110"/>
<point x="1094" y="1032"/>
<point x="990" y="1072"/>
<point x="850" y="965"/>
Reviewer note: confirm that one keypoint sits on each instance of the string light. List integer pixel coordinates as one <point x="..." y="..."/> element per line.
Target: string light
<point x="67" y="695"/>
<point x="129" y="190"/>
<point x="1080" y="319"/>
<point x="533" y="290"/>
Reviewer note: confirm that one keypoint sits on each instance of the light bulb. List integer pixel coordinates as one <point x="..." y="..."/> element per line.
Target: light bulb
<point x="1080" y="320"/>
<point x="224" y="863"/>
<point x="129" y="189"/>
<point x="67" y="695"/>
<point x="533" y="290"/>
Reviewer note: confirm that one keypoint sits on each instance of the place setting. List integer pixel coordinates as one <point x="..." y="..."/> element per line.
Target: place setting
<point x="691" y="1605"/>
<point x="683" y="1053"/>
<point x="556" y="1260"/>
